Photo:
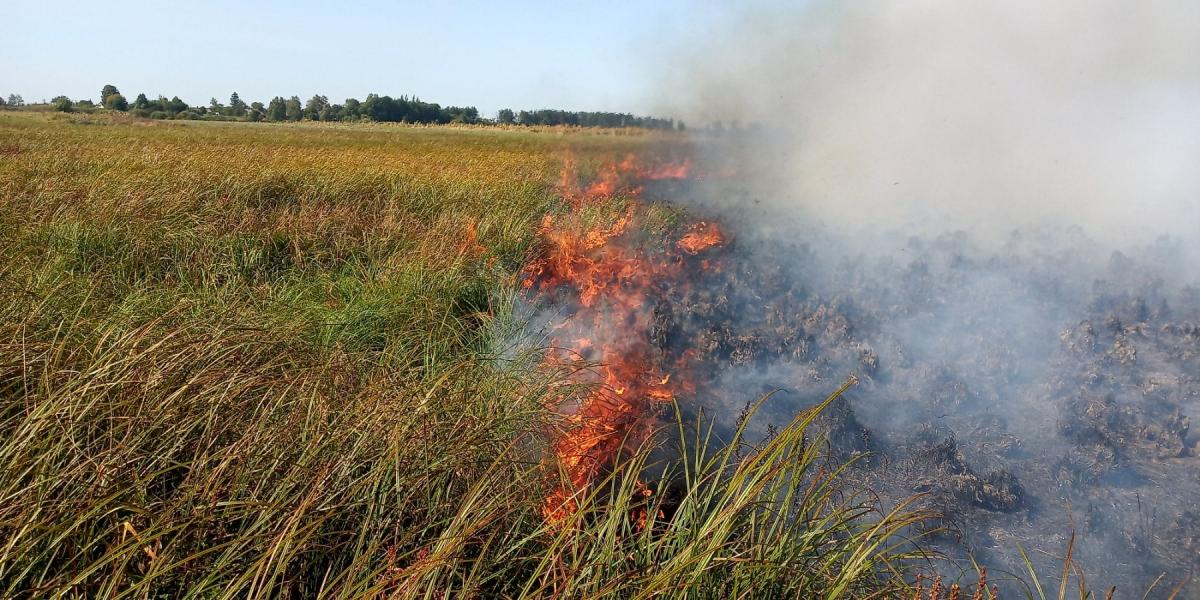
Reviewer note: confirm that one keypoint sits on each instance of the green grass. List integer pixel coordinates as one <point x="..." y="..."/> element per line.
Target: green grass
<point x="242" y="361"/>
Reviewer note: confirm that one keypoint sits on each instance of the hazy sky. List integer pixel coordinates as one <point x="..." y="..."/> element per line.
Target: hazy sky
<point x="517" y="53"/>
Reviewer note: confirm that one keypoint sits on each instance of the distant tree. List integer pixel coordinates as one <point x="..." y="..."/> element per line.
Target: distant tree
<point x="506" y="116"/>
<point x="2" y="102"/>
<point x="294" y="110"/>
<point x="351" y="108"/>
<point x="107" y="91"/>
<point x="455" y="114"/>
<point x="375" y="106"/>
<point x="15" y="100"/>
<point x="257" y="112"/>
<point x="175" y="105"/>
<point x="315" y="106"/>
<point x="116" y="102"/>
<point x="141" y="102"/>
<point x="237" y="108"/>
<point x="277" y="110"/>
<point x="590" y="119"/>
<point x="679" y="126"/>
<point x="215" y="107"/>
<point x="62" y="104"/>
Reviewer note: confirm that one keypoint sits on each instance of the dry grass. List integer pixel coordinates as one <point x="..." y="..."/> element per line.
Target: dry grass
<point x="243" y="361"/>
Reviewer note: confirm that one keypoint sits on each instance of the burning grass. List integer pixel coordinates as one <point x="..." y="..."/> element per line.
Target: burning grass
<point x="247" y="362"/>
<point x="244" y="362"/>
<point x="610" y="283"/>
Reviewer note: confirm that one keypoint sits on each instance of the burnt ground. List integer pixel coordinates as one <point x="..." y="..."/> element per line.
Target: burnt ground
<point x="1026" y="391"/>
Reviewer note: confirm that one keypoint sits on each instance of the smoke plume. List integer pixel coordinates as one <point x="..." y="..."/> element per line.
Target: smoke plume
<point x="989" y="212"/>
<point x="984" y="116"/>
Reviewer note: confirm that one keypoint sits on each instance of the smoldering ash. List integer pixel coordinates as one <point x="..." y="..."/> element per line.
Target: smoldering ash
<point x="1024" y="391"/>
<point x="987" y="212"/>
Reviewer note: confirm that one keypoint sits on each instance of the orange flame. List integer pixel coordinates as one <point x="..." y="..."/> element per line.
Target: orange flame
<point x="470" y="246"/>
<point x="667" y="171"/>
<point x="701" y="236"/>
<point x="614" y="283"/>
<point x="616" y="179"/>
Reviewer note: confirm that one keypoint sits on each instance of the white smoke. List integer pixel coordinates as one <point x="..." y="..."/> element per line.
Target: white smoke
<point x="985" y="116"/>
<point x="882" y="125"/>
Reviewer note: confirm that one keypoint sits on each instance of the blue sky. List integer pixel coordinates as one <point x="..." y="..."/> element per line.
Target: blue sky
<point x="520" y="54"/>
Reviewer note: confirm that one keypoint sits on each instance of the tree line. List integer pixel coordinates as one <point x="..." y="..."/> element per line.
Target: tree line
<point x="582" y="119"/>
<point x="374" y="107"/>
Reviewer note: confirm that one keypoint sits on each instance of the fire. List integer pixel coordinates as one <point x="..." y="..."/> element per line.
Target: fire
<point x="667" y="171"/>
<point x="700" y="237"/>
<point x="612" y="283"/>
<point x="616" y="179"/>
<point x="470" y="246"/>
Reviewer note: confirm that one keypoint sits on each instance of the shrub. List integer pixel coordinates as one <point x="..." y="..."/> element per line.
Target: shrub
<point x="116" y="102"/>
<point x="62" y="104"/>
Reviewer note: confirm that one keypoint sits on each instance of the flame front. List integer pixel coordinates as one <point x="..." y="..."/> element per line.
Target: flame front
<point x="619" y="178"/>
<point x="701" y="236"/>
<point x="611" y="282"/>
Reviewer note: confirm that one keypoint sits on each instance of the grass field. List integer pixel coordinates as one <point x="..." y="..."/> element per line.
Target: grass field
<point x="242" y="361"/>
